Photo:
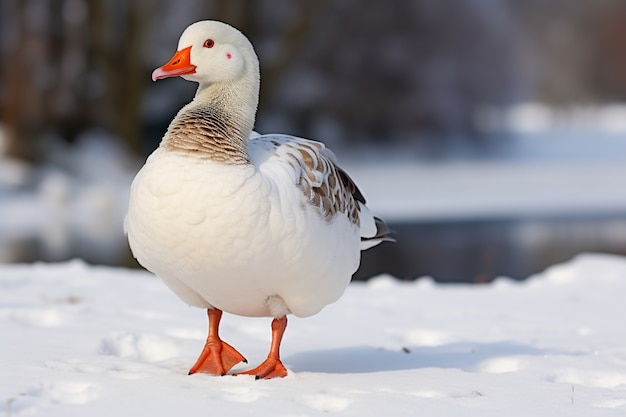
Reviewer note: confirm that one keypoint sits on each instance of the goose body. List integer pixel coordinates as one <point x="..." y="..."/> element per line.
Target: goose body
<point x="241" y="238"/>
<point x="254" y="225"/>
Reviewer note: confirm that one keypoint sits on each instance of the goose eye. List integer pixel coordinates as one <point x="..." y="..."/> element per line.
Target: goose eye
<point x="209" y="43"/>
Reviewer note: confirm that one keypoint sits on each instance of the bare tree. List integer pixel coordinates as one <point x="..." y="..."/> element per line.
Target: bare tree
<point x="74" y="65"/>
<point x="119" y="35"/>
<point x="21" y="109"/>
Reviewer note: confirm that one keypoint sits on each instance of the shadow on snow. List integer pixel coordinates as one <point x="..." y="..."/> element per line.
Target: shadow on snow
<point x="366" y="359"/>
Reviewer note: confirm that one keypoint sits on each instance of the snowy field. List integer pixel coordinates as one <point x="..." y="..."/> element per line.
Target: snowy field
<point x="91" y="341"/>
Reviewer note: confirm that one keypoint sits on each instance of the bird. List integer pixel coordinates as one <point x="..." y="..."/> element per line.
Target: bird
<point x="238" y="222"/>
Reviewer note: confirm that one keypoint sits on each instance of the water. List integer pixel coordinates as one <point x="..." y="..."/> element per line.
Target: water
<point x="478" y="251"/>
<point x="470" y="251"/>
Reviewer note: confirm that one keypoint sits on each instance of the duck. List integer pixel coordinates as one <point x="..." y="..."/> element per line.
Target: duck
<point x="238" y="222"/>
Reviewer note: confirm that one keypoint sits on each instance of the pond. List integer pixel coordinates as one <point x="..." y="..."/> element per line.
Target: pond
<point x="478" y="251"/>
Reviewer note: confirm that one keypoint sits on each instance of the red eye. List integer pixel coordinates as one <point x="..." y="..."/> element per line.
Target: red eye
<point x="209" y="43"/>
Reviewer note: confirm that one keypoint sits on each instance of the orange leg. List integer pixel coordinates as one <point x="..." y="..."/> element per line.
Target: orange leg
<point x="217" y="357"/>
<point x="272" y="367"/>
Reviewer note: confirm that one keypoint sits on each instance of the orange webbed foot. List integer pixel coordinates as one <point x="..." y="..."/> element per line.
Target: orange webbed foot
<point x="217" y="358"/>
<point x="270" y="368"/>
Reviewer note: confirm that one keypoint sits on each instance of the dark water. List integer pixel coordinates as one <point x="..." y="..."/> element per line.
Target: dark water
<point x="475" y="251"/>
<point x="481" y="250"/>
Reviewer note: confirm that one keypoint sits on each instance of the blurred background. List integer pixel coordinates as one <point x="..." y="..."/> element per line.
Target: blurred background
<point x="490" y="134"/>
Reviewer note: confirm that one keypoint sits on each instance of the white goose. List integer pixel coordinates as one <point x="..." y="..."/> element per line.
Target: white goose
<point x="230" y="220"/>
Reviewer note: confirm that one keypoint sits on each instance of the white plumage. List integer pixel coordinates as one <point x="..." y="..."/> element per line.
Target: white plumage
<point x="254" y="225"/>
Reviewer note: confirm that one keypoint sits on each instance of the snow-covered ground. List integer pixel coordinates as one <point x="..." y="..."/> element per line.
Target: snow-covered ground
<point x="404" y="191"/>
<point x="91" y="341"/>
<point x="71" y="205"/>
<point x="551" y="163"/>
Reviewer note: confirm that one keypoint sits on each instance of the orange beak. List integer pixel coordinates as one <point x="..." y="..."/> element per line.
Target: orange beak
<point x="180" y="64"/>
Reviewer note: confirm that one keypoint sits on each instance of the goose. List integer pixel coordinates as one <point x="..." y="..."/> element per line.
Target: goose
<point x="237" y="222"/>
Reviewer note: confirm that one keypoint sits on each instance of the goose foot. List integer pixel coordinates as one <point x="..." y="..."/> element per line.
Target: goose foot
<point x="217" y="356"/>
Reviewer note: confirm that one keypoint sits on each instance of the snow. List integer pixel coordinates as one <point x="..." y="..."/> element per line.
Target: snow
<point x="71" y="205"/>
<point x="83" y="340"/>
<point x="551" y="163"/>
<point x="530" y="117"/>
<point x="404" y="191"/>
<point x="99" y="341"/>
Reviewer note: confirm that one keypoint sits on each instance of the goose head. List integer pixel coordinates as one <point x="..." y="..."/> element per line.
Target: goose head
<point x="213" y="53"/>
